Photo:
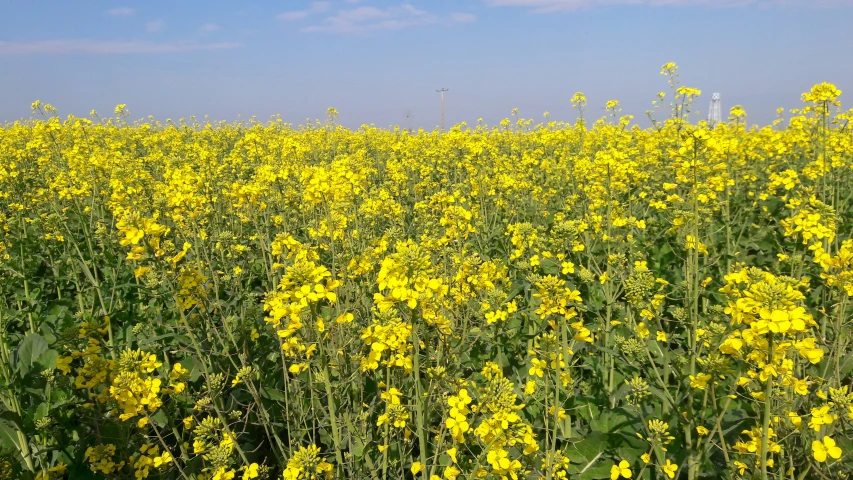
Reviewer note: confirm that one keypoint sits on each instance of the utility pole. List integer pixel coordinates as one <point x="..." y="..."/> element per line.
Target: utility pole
<point x="442" y="105"/>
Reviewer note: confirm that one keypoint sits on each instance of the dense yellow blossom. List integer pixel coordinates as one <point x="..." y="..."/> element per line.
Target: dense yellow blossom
<point x="199" y="299"/>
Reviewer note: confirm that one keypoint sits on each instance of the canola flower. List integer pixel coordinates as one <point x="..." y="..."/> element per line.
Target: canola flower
<point x="535" y="299"/>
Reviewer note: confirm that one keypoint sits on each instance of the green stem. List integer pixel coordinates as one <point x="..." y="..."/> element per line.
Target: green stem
<point x="330" y="398"/>
<point x="422" y="438"/>
<point x="765" y="433"/>
<point x="385" y="432"/>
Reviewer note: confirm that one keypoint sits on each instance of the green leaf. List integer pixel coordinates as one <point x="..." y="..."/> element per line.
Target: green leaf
<point x="190" y="364"/>
<point x="9" y="435"/>
<point x="41" y="411"/>
<point x="171" y="337"/>
<point x="357" y="447"/>
<point x="60" y="397"/>
<point x="621" y="391"/>
<point x="588" y="451"/>
<point x="846" y="365"/>
<point x="599" y="471"/>
<point x="57" y="312"/>
<point x="611" y="421"/>
<point x="659" y="394"/>
<point x="551" y="267"/>
<point x="271" y="394"/>
<point x="631" y="447"/>
<point x="588" y="411"/>
<point x="159" y="418"/>
<point x="845" y="444"/>
<point x="515" y="289"/>
<point x="598" y="348"/>
<point x="47" y="360"/>
<point x="88" y="273"/>
<point x="29" y="351"/>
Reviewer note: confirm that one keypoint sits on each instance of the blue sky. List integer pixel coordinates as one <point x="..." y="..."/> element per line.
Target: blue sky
<point x="378" y="61"/>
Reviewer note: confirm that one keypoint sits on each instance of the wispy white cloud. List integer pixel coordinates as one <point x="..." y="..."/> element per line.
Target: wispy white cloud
<point x="155" y="26"/>
<point x="209" y="28"/>
<point x="547" y="6"/>
<point x="293" y="15"/>
<point x="362" y="20"/>
<point x="459" y="17"/>
<point x="314" y="8"/>
<point x="107" y="47"/>
<point x="366" y="19"/>
<point x="121" y="12"/>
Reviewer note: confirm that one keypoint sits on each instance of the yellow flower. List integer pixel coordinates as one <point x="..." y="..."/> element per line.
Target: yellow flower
<point x="451" y="472"/>
<point x="661" y="336"/>
<point x="820" y="450"/>
<point x="801" y="385"/>
<point x="222" y="474"/>
<point x="646" y="458"/>
<point x="701" y="430"/>
<point x="251" y="472"/>
<point x="795" y="419"/>
<point x="536" y="367"/>
<point x="163" y="459"/>
<point x="700" y="381"/>
<point x="821" y="416"/>
<point x="623" y="469"/>
<point x="452" y="453"/>
<point x="417" y="467"/>
<point x="457" y="426"/>
<point x="642" y="330"/>
<point x="669" y="469"/>
<point x="63" y="364"/>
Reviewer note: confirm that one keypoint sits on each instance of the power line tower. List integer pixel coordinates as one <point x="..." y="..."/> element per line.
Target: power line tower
<point x="442" y="105"/>
<point x="715" y="114"/>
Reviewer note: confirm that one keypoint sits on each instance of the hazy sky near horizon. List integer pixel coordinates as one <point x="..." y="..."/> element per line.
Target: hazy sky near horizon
<point x="381" y="61"/>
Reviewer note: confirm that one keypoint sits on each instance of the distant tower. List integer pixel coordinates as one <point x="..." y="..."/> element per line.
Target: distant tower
<point x="715" y="114"/>
<point x="442" y="91"/>
<point x="408" y="115"/>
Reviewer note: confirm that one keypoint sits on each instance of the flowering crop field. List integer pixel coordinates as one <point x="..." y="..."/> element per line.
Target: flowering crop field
<point x="584" y="300"/>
